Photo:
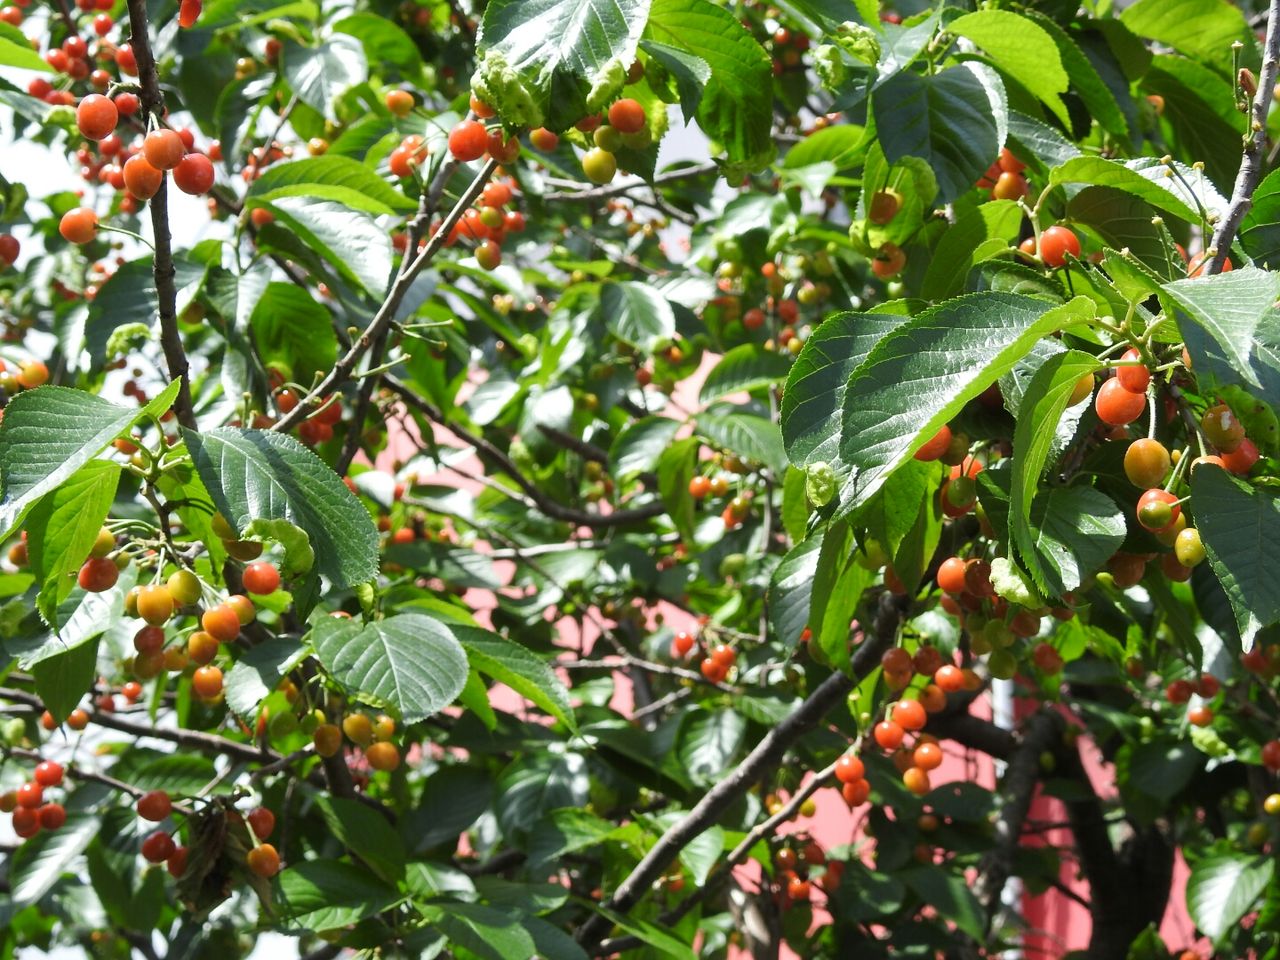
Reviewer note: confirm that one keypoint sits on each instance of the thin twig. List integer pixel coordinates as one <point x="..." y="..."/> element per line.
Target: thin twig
<point x="386" y="313"/>
<point x="614" y="189"/>
<point x="768" y="752"/>
<point x="1251" y="163"/>
<point x="162" y="263"/>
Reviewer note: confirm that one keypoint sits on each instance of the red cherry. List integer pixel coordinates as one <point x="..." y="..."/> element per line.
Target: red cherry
<point x="96" y="116"/>
<point x="154" y="806"/>
<point x="261" y="578"/>
<point x="468" y="140"/>
<point x="1055" y="243"/>
<point x="1135" y="378"/>
<point x="194" y="173"/>
<point x="850" y="768"/>
<point x="48" y="773"/>
<point x="158" y="847"/>
<point x="1116" y="406"/>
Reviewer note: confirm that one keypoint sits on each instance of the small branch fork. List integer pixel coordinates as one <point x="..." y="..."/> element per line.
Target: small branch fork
<point x="767" y="753"/>
<point x="410" y="267"/>
<point x="162" y="264"/>
<point x="1251" y="164"/>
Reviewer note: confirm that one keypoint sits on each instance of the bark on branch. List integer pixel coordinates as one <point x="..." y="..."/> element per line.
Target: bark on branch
<point x="162" y="262"/>
<point x="1254" y="158"/>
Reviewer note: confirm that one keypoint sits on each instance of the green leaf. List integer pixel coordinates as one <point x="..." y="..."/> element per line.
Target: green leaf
<point x="1162" y="768"/>
<point x="692" y="74"/>
<point x="1239" y="526"/>
<point x="534" y="785"/>
<point x="1200" y="113"/>
<point x="654" y="936"/>
<point x="745" y="367"/>
<point x="814" y="393"/>
<point x="482" y="930"/>
<point x="950" y="895"/>
<point x="1146" y="180"/>
<point x="1042" y="406"/>
<point x="16" y="51"/>
<point x="383" y="41"/>
<point x="956" y="120"/>
<point x="1222" y="889"/>
<point x="960" y="246"/>
<point x="62" y="528"/>
<point x="710" y="742"/>
<point x="333" y="230"/>
<point x="63" y="680"/>
<point x="256" y="474"/>
<point x="324" y="894"/>
<point x="41" y="861"/>
<point x="1023" y="49"/>
<point x="790" y="590"/>
<point x="1229" y="307"/>
<point x="330" y="178"/>
<point x="637" y="315"/>
<point x="524" y="672"/>
<point x="291" y="328"/>
<point x="906" y="518"/>
<point x="258" y="672"/>
<point x="1204" y="29"/>
<point x="919" y="377"/>
<point x="410" y="661"/>
<point x="676" y="467"/>
<point x="640" y="444"/>
<point x="1073" y="532"/>
<point x="1260" y="231"/>
<point x="319" y="74"/>
<point x="840" y="146"/>
<point x="366" y="833"/>
<point x="735" y="109"/>
<point x="1123" y="221"/>
<point x="51" y="432"/>
<point x="1085" y="81"/>
<point x="795" y="504"/>
<point x="750" y="437"/>
<point x="560" y="49"/>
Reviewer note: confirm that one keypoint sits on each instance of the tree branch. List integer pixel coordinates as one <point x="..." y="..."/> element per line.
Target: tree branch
<point x="614" y="189"/>
<point x="162" y="263"/>
<point x="549" y="507"/>
<point x="768" y="752"/>
<point x="1251" y="163"/>
<point x="386" y="313"/>
<point x="1043" y="732"/>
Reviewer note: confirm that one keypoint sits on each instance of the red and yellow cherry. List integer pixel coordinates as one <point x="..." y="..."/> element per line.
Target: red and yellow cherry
<point x="889" y="261"/>
<point x="263" y="860"/>
<point x="261" y="578"/>
<point x="158" y="847"/>
<point x="221" y="622"/>
<point x="1135" y="377"/>
<point x="627" y="116"/>
<point x="1221" y="428"/>
<point x="97" y="116"/>
<point x="1197" y="265"/>
<point x="1146" y="463"/>
<point x="34" y="373"/>
<point x="1242" y="458"/>
<point x="699" y="487"/>
<point x="909" y="714"/>
<point x="937" y="446"/>
<point x="98" y="574"/>
<point x="849" y="768"/>
<point x="184" y="587"/>
<point x="916" y="781"/>
<point x="155" y="604"/>
<point x="194" y="174"/>
<point x="207" y="682"/>
<point x="951" y="575"/>
<point x="1010" y="186"/>
<point x="79" y="226"/>
<point x="927" y="756"/>
<point x="488" y="255"/>
<point x="468" y="141"/>
<point x="543" y="139"/>
<point x="1116" y="406"/>
<point x="884" y="206"/>
<point x="327" y="739"/>
<point x="1158" y="509"/>
<point x="164" y="148"/>
<point x="382" y="756"/>
<point x="154" y="806"/>
<point x="400" y="103"/>
<point x="1056" y="243"/>
<point x="949" y="678"/>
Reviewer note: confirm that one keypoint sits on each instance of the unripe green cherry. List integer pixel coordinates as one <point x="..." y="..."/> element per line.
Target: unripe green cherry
<point x="962" y="491"/>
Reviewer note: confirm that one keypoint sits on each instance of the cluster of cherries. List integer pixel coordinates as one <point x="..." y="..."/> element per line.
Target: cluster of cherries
<point x="318" y="427"/>
<point x="31" y="810"/>
<point x="717" y="661"/>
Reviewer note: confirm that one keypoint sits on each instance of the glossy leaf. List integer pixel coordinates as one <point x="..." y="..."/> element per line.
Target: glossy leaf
<point x="1229" y="307"/>
<point x="410" y="662"/>
<point x="1222" y="889"/>
<point x="637" y="314"/>
<point x="1022" y="48"/>
<point x="329" y="178"/>
<point x="920" y="376"/>
<point x="324" y="894"/>
<point x="745" y="367"/>
<point x="509" y="663"/>
<point x="258" y="475"/>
